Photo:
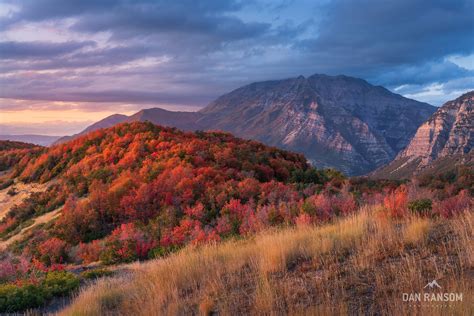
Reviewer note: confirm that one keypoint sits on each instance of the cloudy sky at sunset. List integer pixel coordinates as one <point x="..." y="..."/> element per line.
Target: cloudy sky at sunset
<point x="65" y="64"/>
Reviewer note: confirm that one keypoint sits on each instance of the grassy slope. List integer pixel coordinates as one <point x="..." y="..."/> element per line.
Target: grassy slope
<point x="362" y="263"/>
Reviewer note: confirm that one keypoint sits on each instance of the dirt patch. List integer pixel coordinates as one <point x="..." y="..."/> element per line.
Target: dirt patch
<point x="24" y="190"/>
<point x="37" y="221"/>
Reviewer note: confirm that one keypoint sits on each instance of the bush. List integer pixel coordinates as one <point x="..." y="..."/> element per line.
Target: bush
<point x="96" y="273"/>
<point x="396" y="201"/>
<point x="454" y="205"/>
<point x="15" y="298"/>
<point x="421" y="206"/>
<point x="53" y="251"/>
<point x="60" y="283"/>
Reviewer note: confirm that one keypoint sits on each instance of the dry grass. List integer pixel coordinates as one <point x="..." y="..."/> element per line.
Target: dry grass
<point x="360" y="264"/>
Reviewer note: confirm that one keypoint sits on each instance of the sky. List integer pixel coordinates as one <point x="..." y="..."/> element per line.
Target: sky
<point x="67" y="64"/>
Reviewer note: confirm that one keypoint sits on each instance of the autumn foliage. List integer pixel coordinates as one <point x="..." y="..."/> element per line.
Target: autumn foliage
<point x="136" y="191"/>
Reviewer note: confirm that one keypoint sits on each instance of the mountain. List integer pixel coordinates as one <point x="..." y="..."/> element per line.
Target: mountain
<point x="182" y="120"/>
<point x="9" y="145"/>
<point x="336" y="121"/>
<point x="445" y="139"/>
<point x="41" y="140"/>
<point x="187" y="121"/>
<point x="109" y="121"/>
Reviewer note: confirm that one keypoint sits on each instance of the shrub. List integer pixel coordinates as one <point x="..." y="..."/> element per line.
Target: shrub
<point x="15" y="298"/>
<point x="126" y="244"/>
<point x="421" y="206"/>
<point x="53" y="251"/>
<point x="96" y="273"/>
<point x="90" y="252"/>
<point x="396" y="201"/>
<point x="303" y="220"/>
<point x="454" y="205"/>
<point x="12" y="268"/>
<point x="60" y="283"/>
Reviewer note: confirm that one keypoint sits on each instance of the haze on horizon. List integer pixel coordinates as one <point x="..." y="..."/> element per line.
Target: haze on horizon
<point x="66" y="64"/>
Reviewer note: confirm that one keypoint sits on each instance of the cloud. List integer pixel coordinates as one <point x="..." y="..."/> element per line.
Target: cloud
<point x="41" y="50"/>
<point x="116" y="96"/>
<point x="176" y="53"/>
<point x="384" y="33"/>
<point x="433" y="71"/>
<point x="46" y="128"/>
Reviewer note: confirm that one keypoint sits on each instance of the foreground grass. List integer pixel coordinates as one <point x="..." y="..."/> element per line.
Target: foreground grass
<point x="360" y="264"/>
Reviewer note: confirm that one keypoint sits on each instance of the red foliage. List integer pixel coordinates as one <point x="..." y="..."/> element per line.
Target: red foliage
<point x="303" y="220"/>
<point x="53" y="251"/>
<point x="127" y="243"/>
<point x="454" y="205"/>
<point x="90" y="252"/>
<point x="195" y="212"/>
<point x="134" y="186"/>
<point x="396" y="202"/>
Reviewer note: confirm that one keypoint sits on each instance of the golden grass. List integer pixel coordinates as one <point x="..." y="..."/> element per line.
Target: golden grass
<point x="417" y="230"/>
<point x="359" y="264"/>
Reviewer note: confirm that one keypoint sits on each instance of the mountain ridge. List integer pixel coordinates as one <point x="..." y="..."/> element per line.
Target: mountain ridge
<point x="336" y="121"/>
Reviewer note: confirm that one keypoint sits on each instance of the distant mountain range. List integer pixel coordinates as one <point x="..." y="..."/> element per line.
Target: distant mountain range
<point x="42" y="140"/>
<point x="445" y="140"/>
<point x="336" y="121"/>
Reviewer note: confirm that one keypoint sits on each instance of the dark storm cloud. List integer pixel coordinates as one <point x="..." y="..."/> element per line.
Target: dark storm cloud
<point x="381" y="34"/>
<point x="439" y="71"/>
<point x="176" y="20"/>
<point x="145" y="17"/>
<point x="210" y="47"/>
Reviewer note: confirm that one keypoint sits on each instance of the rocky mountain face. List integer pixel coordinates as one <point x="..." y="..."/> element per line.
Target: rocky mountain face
<point x="447" y="136"/>
<point x="336" y="121"/>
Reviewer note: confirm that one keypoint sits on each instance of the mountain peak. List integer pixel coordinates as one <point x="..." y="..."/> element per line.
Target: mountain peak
<point x="336" y="121"/>
<point x="447" y="134"/>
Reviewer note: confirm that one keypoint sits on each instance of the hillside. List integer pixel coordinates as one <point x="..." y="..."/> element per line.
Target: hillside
<point x="445" y="139"/>
<point x="41" y="140"/>
<point x="11" y="152"/>
<point x="336" y="121"/>
<point x="138" y="191"/>
<point x="169" y="187"/>
<point x="9" y="145"/>
<point x="359" y="265"/>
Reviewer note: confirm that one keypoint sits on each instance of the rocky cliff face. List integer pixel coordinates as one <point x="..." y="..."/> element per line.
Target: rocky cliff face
<point x="448" y="133"/>
<point x="336" y="121"/>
